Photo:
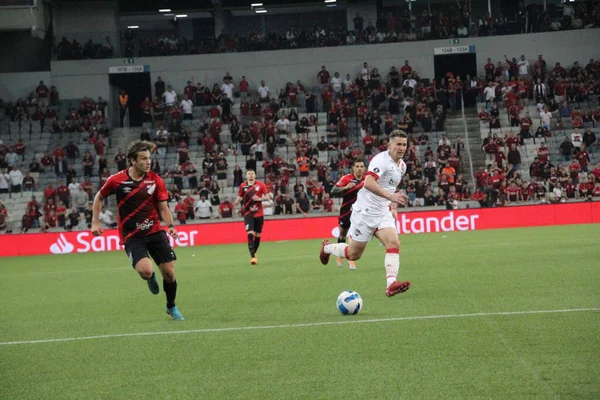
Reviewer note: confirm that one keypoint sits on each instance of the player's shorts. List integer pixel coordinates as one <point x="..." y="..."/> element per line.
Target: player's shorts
<point x="345" y="222"/>
<point x="254" y="224"/>
<point x="156" y="246"/>
<point x="364" y="225"/>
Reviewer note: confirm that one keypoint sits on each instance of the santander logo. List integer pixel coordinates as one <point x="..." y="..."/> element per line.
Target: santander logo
<point x="84" y="242"/>
<point x="62" y="246"/>
<point x="406" y="225"/>
<point x="449" y="223"/>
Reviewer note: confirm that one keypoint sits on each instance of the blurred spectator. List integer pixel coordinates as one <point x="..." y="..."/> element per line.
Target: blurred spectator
<point x="3" y="217"/>
<point x="106" y="217"/>
<point x="73" y="218"/>
<point x="4" y="181"/>
<point x="226" y="208"/>
<point x="28" y="182"/>
<point x="80" y="199"/>
<point x="203" y="208"/>
<point x="16" y="179"/>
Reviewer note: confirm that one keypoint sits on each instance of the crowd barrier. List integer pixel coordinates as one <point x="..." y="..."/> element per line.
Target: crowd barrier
<point x="312" y="228"/>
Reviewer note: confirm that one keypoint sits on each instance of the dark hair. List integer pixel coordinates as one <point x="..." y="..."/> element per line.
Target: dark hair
<point x="137" y="146"/>
<point x="398" y="133"/>
<point x="357" y="160"/>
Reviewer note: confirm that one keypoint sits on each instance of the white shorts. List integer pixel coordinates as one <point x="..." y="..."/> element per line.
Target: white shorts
<point x="363" y="226"/>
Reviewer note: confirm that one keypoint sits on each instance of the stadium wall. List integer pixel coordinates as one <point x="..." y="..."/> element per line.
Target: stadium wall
<point x="20" y="84"/>
<point x="280" y="66"/>
<point x="86" y="20"/>
<point x="315" y="228"/>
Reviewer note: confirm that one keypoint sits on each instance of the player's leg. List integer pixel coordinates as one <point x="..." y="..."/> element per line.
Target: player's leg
<point x="249" y="226"/>
<point x="344" y="223"/>
<point x="140" y="260"/>
<point x="352" y="263"/>
<point x="162" y="253"/>
<point x="388" y="237"/>
<point x="361" y="233"/>
<point x="258" y="225"/>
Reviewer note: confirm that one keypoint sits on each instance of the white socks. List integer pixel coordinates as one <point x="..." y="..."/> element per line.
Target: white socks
<point x="392" y="265"/>
<point x="338" y="249"/>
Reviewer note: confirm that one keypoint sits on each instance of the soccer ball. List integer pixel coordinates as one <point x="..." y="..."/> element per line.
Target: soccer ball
<point x="349" y="302"/>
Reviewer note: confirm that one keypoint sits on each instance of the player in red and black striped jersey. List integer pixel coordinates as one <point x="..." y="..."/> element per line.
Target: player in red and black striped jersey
<point x="141" y="203"/>
<point x="251" y="194"/>
<point x="349" y="185"/>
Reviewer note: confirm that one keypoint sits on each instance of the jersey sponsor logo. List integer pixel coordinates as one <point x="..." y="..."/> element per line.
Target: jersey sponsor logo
<point x="126" y="189"/>
<point x="147" y="224"/>
<point x="151" y="189"/>
<point x="62" y="246"/>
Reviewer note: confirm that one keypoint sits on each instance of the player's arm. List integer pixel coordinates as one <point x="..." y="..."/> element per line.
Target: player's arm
<point x="238" y="200"/>
<point x="373" y="186"/>
<point x="342" y="185"/>
<point x="338" y="189"/>
<point x="96" y="209"/>
<point x="162" y="197"/>
<point x="165" y="215"/>
<point x="106" y="190"/>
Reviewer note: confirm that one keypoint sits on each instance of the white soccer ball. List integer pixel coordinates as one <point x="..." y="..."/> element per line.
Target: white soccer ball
<point x="349" y="302"/>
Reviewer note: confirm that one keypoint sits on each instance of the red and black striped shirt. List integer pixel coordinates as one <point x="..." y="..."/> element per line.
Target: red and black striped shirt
<point x="247" y="192"/>
<point x="137" y="203"/>
<point x="349" y="195"/>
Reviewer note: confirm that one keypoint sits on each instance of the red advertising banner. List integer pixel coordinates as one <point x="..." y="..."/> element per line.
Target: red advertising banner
<point x="313" y="228"/>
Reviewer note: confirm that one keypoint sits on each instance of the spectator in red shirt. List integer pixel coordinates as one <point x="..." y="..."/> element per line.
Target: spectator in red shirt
<point x="596" y="172"/>
<point x="226" y="208"/>
<point x="244" y="88"/>
<point x="327" y="203"/>
<point x="323" y="76"/>
<point x="484" y="115"/>
<point x="543" y="153"/>
<point x="574" y="170"/>
<point x="42" y="93"/>
<point x="583" y="157"/>
<point x="406" y="70"/>
<point x="181" y="210"/>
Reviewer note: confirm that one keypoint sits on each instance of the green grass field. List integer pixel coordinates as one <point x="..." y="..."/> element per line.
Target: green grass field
<point x="272" y="330"/>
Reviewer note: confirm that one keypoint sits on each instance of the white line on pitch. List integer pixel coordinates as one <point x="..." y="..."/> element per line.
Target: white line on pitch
<point x="310" y="324"/>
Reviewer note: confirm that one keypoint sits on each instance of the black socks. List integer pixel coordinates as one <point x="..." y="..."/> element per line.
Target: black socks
<point x="256" y="243"/>
<point x="340" y="240"/>
<point x="251" y="249"/>
<point x="170" y="289"/>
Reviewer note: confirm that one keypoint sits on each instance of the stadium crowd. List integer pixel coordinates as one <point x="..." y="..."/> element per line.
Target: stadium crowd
<point x="391" y="25"/>
<point x="566" y="104"/>
<point x="271" y="130"/>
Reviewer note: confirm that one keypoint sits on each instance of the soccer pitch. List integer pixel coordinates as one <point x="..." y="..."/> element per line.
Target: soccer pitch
<point x="500" y="314"/>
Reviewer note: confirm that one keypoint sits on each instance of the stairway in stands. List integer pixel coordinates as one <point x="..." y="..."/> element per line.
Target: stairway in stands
<point x="455" y="126"/>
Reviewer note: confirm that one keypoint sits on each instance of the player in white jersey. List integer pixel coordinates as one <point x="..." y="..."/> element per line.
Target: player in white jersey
<point x="374" y="213"/>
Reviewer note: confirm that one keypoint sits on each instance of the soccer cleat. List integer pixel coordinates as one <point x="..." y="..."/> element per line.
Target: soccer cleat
<point x="153" y="285"/>
<point x="351" y="265"/>
<point x="253" y="261"/>
<point x="324" y="257"/>
<point x="175" y="314"/>
<point x="397" y="287"/>
<point x="339" y="261"/>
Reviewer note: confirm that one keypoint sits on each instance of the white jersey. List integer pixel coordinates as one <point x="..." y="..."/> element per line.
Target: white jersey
<point x="389" y="175"/>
